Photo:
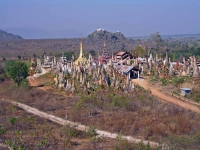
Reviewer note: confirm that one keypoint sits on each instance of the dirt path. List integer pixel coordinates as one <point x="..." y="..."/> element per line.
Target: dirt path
<point x="31" y="78"/>
<point x="34" y="81"/>
<point x="164" y="96"/>
<point x="79" y="126"/>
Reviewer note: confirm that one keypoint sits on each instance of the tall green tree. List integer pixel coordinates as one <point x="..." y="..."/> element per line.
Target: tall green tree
<point x="18" y="72"/>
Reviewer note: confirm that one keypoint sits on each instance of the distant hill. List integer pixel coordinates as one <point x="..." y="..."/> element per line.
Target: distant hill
<point x="114" y="41"/>
<point x="8" y="36"/>
<point x="29" y="33"/>
<point x="94" y="41"/>
<point x="106" y="35"/>
<point x="37" y="33"/>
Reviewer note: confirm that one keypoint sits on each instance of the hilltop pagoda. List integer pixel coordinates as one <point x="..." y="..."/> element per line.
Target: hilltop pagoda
<point x="81" y="58"/>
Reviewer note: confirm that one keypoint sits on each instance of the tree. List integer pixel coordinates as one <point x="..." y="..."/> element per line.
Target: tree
<point x="34" y="55"/>
<point x="2" y="75"/>
<point x="1" y="69"/>
<point x="19" y="57"/>
<point x="139" y="52"/>
<point x="156" y="42"/>
<point x="8" y="65"/>
<point x="93" y="52"/>
<point x="18" y="72"/>
<point x="68" y="55"/>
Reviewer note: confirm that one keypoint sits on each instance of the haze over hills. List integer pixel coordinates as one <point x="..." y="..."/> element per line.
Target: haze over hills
<point x="95" y="41"/>
<point x="37" y="33"/>
<point x="29" y="33"/>
<point x="169" y="36"/>
<point x="8" y="36"/>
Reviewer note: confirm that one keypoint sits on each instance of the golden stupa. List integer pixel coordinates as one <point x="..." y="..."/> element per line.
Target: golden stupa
<point x="81" y="58"/>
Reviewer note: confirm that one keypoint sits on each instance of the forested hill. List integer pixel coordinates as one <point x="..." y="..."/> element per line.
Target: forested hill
<point x="8" y="36"/>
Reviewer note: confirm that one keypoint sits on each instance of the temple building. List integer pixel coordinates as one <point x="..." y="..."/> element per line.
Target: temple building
<point x="122" y="56"/>
<point x="81" y="58"/>
<point x="104" y="58"/>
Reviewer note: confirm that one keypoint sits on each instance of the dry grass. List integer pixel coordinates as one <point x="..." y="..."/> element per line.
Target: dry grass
<point x="138" y="113"/>
<point x="20" y="130"/>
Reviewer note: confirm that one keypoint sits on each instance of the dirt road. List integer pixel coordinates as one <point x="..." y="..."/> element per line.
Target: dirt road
<point x="77" y="125"/>
<point x="164" y="96"/>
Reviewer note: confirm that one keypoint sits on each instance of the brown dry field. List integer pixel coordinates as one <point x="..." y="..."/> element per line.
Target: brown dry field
<point x="26" y="48"/>
<point x="138" y="113"/>
<point x="21" y="130"/>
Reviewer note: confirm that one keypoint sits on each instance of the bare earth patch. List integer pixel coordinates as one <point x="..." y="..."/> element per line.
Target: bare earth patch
<point x="158" y="92"/>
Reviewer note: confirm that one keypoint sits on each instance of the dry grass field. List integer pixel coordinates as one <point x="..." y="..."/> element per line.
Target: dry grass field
<point x="138" y="113"/>
<point x="27" y="48"/>
<point x="20" y="130"/>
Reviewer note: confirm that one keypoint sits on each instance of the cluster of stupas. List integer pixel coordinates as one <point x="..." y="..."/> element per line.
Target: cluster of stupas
<point x="116" y="70"/>
<point x="89" y="73"/>
<point x="165" y="68"/>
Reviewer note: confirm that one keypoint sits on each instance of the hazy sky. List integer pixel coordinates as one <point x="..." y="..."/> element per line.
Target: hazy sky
<point x="71" y="18"/>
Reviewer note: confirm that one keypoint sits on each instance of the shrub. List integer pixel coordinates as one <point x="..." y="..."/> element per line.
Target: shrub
<point x="18" y="72"/>
<point x="91" y="131"/>
<point x="2" y="79"/>
<point x="197" y="97"/>
<point x="2" y="130"/>
<point x="177" y="81"/>
<point x="164" y="81"/>
<point x="12" y="120"/>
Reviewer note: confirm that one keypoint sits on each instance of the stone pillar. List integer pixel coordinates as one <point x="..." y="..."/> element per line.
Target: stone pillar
<point x="170" y="69"/>
<point x="73" y="87"/>
<point x="81" y="78"/>
<point x="157" y="57"/>
<point x="188" y="70"/>
<point x="196" y="68"/>
<point x="166" y="59"/>
<point x="88" y="84"/>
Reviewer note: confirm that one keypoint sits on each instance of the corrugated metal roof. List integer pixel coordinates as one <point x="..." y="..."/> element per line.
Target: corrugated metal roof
<point x="120" y="53"/>
<point x="127" y="69"/>
<point x="186" y="89"/>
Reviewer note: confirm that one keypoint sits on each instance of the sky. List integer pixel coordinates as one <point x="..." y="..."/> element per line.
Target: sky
<point x="79" y="18"/>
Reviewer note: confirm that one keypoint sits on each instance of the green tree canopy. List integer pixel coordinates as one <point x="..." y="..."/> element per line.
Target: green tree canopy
<point x="139" y="52"/>
<point x="18" y="72"/>
<point x="8" y="65"/>
<point x="19" y="57"/>
<point x="93" y="52"/>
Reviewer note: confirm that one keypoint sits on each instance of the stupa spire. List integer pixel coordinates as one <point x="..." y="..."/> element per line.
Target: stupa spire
<point x="81" y="58"/>
<point x="81" y="49"/>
